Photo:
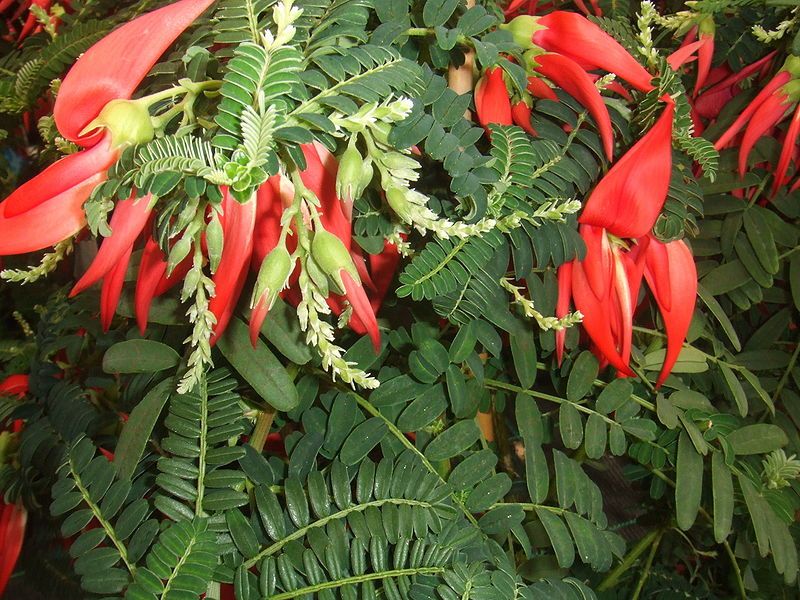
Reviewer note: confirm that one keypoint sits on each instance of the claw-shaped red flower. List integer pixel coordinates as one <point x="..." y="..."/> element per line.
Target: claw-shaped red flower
<point x="629" y="198"/>
<point x="94" y="110"/>
<point x="492" y="100"/>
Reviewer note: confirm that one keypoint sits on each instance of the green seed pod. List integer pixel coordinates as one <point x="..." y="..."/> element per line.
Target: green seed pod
<point x="332" y="257"/>
<point x="214" y="241"/>
<point x="396" y="197"/>
<point x="348" y="178"/>
<point x="128" y="122"/>
<point x="272" y="276"/>
<point x="179" y="251"/>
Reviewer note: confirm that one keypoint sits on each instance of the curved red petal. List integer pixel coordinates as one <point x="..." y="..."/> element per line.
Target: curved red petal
<point x="111" y="289"/>
<point x="539" y="89"/>
<point x="629" y="198"/>
<point x="683" y="55"/>
<point x="14" y="385"/>
<point x="704" y="56"/>
<point x="60" y="176"/>
<point x="152" y="267"/>
<point x="492" y="100"/>
<point x="115" y="66"/>
<point x="15" y="517"/>
<point x="257" y="317"/>
<point x="562" y="305"/>
<point x="574" y="80"/>
<point x="574" y="36"/>
<point x="683" y="284"/>
<point x="233" y="266"/>
<point x="521" y="114"/>
<point x="357" y="297"/>
<point x="268" y="221"/>
<point x="769" y="114"/>
<point x="129" y="218"/>
<point x="50" y="222"/>
<point x="744" y="117"/>
<point x="787" y="151"/>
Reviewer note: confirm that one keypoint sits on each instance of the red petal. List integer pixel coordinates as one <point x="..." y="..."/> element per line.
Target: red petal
<point x="704" y="56"/>
<point x="232" y="270"/>
<point x="562" y="305"/>
<point x="12" y="534"/>
<point x="744" y="117"/>
<point x="152" y="268"/>
<point x="50" y="222"/>
<point x="629" y="198"/>
<point x="115" y="66"/>
<point x="60" y="176"/>
<point x="129" y="218"/>
<point x="14" y="385"/>
<point x="257" y="317"/>
<point x="521" y="114"/>
<point x="768" y="114"/>
<point x="492" y="101"/>
<point x="361" y="308"/>
<point x="574" y="80"/>
<point x="383" y="268"/>
<point x="322" y="181"/>
<point x="575" y="37"/>
<point x="268" y="221"/>
<point x="540" y="89"/>
<point x="111" y="289"/>
<point x="596" y="318"/>
<point x="682" y="276"/>
<point x="787" y="151"/>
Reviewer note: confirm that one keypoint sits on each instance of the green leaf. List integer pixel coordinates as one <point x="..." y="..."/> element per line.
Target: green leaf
<point x="139" y="356"/>
<point x="582" y="376"/>
<point x="137" y="430"/>
<point x="759" y="438"/>
<point x="258" y="366"/>
<point x="615" y="395"/>
<point x="666" y="412"/>
<point x="688" y="482"/>
<point x="362" y="440"/>
<point x="722" y="488"/>
<point x="761" y="238"/>
<point x="559" y="537"/>
<point x="437" y="12"/>
<point x="735" y="387"/>
<point x="422" y="411"/>
<point x="570" y="425"/>
<point x="523" y="351"/>
<point x="453" y="441"/>
<point x="720" y="315"/>
<point x="596" y="436"/>
<point x="794" y="279"/>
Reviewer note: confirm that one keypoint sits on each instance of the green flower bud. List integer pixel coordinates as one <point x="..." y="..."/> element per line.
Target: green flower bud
<point x="522" y="28"/>
<point x="396" y="197"/>
<point x="214" y="241"/>
<point x="706" y="26"/>
<point x="332" y="257"/>
<point x="128" y="122"/>
<point x="178" y="252"/>
<point x="792" y="65"/>
<point x="272" y="276"/>
<point x="350" y="178"/>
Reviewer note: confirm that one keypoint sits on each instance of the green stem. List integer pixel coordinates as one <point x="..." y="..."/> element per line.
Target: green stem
<point x="367" y="406"/>
<point x="201" y="464"/>
<point x="647" y="566"/>
<point x="110" y="532"/>
<point x="355" y="580"/>
<point x="261" y="430"/>
<point x="303" y="531"/>
<point x="787" y="372"/>
<point x="736" y="570"/>
<point x="630" y="559"/>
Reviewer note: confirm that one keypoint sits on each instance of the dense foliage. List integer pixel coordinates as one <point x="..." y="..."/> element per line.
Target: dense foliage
<point x="306" y="165"/>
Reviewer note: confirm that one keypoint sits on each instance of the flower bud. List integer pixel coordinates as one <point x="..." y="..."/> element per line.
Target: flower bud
<point x="128" y="122"/>
<point x="332" y="257"/>
<point x="352" y="179"/>
<point x="272" y="277"/>
<point x="792" y="65"/>
<point x="214" y="241"/>
<point x="396" y="197"/>
<point x="522" y="28"/>
<point x="178" y="252"/>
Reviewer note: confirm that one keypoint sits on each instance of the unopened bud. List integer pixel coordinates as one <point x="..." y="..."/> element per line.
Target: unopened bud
<point x="214" y="241"/>
<point x="707" y="27"/>
<point x="396" y="197"/>
<point x="272" y="277"/>
<point x="522" y="28"/>
<point x="332" y="257"/>
<point x="178" y="252"/>
<point x="128" y="122"/>
<point x="792" y="65"/>
<point x="354" y="174"/>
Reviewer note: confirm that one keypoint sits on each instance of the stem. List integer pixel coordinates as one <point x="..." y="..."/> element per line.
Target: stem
<point x="787" y="372"/>
<point x="303" y="531"/>
<point x="630" y="559"/>
<point x="310" y="590"/>
<point x="201" y="463"/>
<point x="736" y="570"/>
<point x="261" y="430"/>
<point x="365" y="404"/>
<point x="647" y="566"/>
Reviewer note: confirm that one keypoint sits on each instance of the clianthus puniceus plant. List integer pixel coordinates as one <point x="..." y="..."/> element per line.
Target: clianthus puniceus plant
<point x="425" y="299"/>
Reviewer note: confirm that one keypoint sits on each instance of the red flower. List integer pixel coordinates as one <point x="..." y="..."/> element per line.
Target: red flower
<point x="13" y="518"/>
<point x="92" y="110"/>
<point x="575" y="37"/>
<point x="629" y="198"/>
<point x="492" y="100"/>
<point x="672" y="277"/>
